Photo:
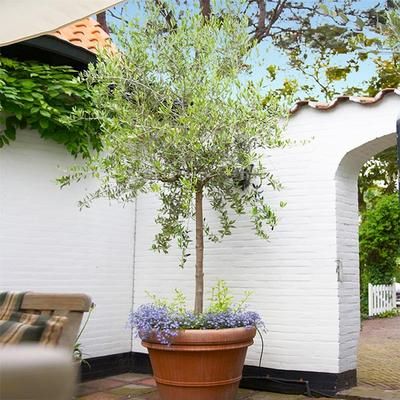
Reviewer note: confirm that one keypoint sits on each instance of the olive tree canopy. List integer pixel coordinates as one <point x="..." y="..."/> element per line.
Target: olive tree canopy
<point x="180" y="117"/>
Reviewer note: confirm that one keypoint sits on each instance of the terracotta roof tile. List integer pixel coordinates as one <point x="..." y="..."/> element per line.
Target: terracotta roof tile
<point x="341" y="99"/>
<point x="85" y="33"/>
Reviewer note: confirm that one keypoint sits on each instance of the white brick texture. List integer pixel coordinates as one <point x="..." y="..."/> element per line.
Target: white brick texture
<point x="312" y="318"/>
<point x="47" y="244"/>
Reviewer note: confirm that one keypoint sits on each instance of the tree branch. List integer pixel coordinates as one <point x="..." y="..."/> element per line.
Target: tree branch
<point x="167" y="14"/>
<point x="262" y="30"/>
<point x="205" y="7"/>
<point x="118" y="17"/>
<point x="102" y="20"/>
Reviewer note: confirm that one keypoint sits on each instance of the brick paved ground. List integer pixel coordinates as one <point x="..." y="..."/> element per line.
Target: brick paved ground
<point x="378" y="372"/>
<point x="142" y="387"/>
<point x="379" y="354"/>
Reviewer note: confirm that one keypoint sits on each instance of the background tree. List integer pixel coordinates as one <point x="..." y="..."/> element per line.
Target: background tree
<point x="102" y="20"/>
<point x="380" y="244"/>
<point x="378" y="176"/>
<point x="274" y="18"/>
<point x="324" y="73"/>
<point x="330" y="50"/>
<point x="307" y="32"/>
<point x="392" y="25"/>
<point x="180" y="118"/>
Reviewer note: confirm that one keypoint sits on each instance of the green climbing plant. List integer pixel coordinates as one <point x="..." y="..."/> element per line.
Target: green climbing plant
<point x="40" y="97"/>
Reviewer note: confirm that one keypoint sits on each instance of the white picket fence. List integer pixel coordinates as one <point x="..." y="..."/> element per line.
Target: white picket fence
<point x="381" y="298"/>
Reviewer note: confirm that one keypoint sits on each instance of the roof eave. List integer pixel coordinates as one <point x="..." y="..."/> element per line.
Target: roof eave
<point x="342" y="99"/>
<point x="62" y="47"/>
<point x="51" y="50"/>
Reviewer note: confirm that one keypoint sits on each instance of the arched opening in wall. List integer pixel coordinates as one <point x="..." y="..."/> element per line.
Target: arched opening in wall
<point x="379" y="234"/>
<point x="373" y="349"/>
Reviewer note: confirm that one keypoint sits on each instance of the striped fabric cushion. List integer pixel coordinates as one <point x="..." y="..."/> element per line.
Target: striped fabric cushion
<point x="9" y="303"/>
<point x="20" y="327"/>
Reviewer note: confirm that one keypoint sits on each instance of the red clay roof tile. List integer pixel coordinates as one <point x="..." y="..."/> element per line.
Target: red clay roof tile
<point x="340" y="99"/>
<point x="85" y="33"/>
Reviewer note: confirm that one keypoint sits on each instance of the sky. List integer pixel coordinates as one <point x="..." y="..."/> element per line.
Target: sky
<point x="267" y="54"/>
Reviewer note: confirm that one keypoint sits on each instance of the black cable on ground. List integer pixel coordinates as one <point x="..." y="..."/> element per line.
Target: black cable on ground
<point x="308" y="391"/>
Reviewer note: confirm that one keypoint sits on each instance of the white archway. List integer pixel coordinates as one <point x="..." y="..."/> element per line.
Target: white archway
<point x="345" y="136"/>
<point x="347" y="222"/>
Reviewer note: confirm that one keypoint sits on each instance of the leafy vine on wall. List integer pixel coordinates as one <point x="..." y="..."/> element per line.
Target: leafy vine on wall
<point x="42" y="97"/>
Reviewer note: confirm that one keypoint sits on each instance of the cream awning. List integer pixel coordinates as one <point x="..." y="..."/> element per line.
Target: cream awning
<point x="25" y="19"/>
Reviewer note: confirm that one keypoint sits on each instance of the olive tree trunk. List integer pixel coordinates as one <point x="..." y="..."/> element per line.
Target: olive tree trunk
<point x="198" y="304"/>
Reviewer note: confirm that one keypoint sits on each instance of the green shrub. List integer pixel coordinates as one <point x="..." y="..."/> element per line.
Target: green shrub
<point x="379" y="244"/>
<point x="389" y="314"/>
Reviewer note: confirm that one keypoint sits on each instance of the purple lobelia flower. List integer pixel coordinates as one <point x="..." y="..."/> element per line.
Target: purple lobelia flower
<point x="152" y="319"/>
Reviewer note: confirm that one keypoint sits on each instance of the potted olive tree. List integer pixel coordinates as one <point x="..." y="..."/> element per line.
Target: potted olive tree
<point x="180" y="117"/>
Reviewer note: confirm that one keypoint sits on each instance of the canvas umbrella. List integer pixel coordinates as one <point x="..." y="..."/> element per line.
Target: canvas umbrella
<point x="25" y="19"/>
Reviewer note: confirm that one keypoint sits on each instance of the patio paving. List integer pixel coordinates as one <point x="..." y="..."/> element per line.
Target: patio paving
<point x="378" y="361"/>
<point x="142" y="387"/>
<point x="378" y="373"/>
<point x="379" y="354"/>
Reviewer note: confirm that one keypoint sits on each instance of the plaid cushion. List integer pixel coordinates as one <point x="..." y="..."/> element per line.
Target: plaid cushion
<point x="19" y="327"/>
<point x="10" y="302"/>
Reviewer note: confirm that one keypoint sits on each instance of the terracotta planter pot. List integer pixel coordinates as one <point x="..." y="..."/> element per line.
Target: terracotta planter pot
<point x="200" y="364"/>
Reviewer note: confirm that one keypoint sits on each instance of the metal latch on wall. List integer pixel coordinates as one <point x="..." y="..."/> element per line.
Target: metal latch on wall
<point x="339" y="270"/>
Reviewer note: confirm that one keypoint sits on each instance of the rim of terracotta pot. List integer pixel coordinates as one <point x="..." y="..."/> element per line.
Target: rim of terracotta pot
<point x="208" y="336"/>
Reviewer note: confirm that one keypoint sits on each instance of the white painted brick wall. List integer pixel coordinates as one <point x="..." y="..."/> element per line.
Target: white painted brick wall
<point x="47" y="244"/>
<point x="312" y="319"/>
<point x="280" y="273"/>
